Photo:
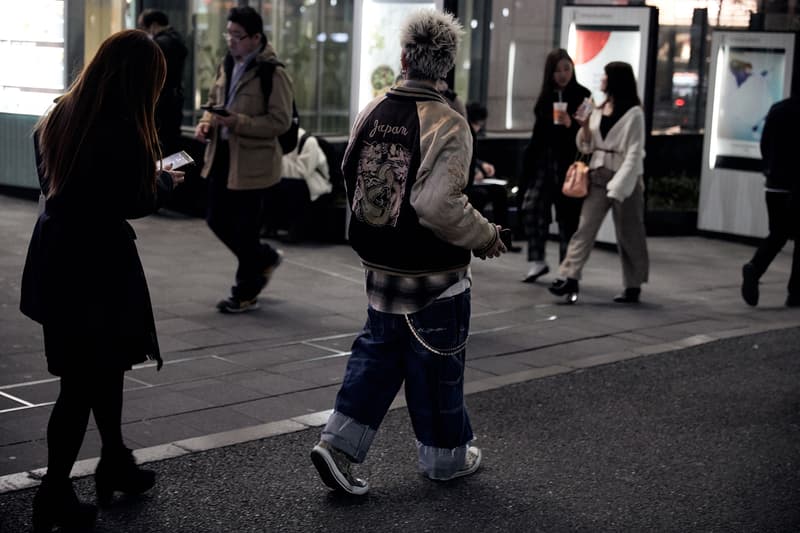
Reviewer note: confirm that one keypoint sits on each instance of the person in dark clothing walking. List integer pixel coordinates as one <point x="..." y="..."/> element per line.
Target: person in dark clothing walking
<point x="169" y="110"/>
<point x="97" y="153"/>
<point x="547" y="157"/>
<point x="778" y="148"/>
<point x="243" y="156"/>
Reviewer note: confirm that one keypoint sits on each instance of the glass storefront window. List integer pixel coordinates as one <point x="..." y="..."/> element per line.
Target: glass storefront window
<point x="311" y="37"/>
<point x="31" y="56"/>
<point x="314" y="39"/>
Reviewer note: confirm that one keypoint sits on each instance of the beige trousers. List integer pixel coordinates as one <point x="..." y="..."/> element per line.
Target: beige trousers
<point x="628" y="217"/>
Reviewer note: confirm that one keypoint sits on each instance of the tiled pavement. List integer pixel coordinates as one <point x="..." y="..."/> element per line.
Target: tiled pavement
<point x="286" y="360"/>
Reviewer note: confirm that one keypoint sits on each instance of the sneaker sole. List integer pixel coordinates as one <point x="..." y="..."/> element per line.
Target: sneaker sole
<point x="329" y="473"/>
<point x="232" y="311"/>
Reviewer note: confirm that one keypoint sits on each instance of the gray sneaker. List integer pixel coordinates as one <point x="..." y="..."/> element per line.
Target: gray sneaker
<point x="334" y="469"/>
<point x="472" y="462"/>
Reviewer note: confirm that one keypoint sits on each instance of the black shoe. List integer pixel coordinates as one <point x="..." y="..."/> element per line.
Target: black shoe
<point x="749" y="284"/>
<point x="118" y="471"/>
<point x="56" y="504"/>
<point x="628" y="296"/>
<point x="565" y="287"/>
<point x="792" y="301"/>
<point x="515" y="249"/>
<point x="234" y="305"/>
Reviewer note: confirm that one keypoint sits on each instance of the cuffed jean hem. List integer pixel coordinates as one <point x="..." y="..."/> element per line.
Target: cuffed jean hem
<point x="440" y="463"/>
<point x="348" y="436"/>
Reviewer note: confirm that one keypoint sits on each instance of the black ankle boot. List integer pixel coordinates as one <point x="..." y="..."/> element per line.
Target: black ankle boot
<point x="560" y="287"/>
<point x="56" y="504"/>
<point x="628" y="296"/>
<point x="117" y="471"/>
<point x="565" y="287"/>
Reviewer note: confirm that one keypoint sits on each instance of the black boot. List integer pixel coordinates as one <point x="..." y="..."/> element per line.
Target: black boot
<point x="56" y="504"/>
<point x="117" y="471"/>
<point x="749" y="284"/>
<point x="565" y="287"/>
<point x="628" y="296"/>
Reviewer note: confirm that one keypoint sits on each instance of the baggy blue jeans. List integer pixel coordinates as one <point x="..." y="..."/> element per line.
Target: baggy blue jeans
<point x="386" y="354"/>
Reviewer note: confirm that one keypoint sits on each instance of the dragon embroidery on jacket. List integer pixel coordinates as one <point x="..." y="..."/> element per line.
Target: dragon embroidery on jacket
<point x="381" y="183"/>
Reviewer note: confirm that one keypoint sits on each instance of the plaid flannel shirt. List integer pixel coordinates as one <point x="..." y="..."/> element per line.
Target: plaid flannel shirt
<point x="390" y="293"/>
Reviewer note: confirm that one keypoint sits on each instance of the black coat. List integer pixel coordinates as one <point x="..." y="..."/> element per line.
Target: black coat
<point x="778" y="145"/>
<point x="83" y="280"/>
<point x="552" y="148"/>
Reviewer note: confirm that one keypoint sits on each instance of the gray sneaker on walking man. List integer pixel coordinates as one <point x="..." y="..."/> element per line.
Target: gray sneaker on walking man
<point x="405" y="170"/>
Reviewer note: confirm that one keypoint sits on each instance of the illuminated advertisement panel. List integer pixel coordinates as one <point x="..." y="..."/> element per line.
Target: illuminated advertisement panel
<point x="595" y="36"/>
<point x="31" y="56"/>
<point x="749" y="76"/>
<point x="749" y="72"/>
<point x="594" y="47"/>
<point x="376" y="62"/>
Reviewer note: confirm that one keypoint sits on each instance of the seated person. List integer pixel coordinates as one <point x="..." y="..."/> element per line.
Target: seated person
<point x="482" y="188"/>
<point x="305" y="177"/>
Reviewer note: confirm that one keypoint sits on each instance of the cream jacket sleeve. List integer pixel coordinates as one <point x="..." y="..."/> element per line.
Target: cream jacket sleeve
<point x="622" y="150"/>
<point x="437" y="195"/>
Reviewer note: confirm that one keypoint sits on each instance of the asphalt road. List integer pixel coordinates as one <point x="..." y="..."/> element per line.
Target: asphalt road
<point x="701" y="439"/>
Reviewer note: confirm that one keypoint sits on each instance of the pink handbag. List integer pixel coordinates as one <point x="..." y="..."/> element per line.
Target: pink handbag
<point x="576" y="182"/>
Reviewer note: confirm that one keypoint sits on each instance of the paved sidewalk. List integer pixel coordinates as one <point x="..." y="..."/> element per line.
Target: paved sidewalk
<point x="702" y="439"/>
<point x="230" y="375"/>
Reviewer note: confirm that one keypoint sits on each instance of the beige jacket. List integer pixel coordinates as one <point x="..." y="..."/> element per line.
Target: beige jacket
<point x="255" y="152"/>
<point x="621" y="151"/>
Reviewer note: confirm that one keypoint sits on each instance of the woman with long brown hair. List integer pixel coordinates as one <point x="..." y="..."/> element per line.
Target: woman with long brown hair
<point x="97" y="153"/>
<point x="549" y="154"/>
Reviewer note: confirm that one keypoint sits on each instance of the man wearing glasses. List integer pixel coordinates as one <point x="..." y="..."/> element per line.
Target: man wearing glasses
<point x="241" y="125"/>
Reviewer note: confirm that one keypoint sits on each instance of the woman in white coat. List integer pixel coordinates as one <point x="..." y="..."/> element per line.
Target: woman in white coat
<point x="614" y="135"/>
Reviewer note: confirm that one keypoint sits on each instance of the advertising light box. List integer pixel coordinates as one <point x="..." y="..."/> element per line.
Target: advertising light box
<point x="595" y="36"/>
<point x="376" y="61"/>
<point x="749" y="75"/>
<point x="749" y="72"/>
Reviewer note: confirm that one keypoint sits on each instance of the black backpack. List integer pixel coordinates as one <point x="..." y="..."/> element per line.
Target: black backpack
<point x="287" y="139"/>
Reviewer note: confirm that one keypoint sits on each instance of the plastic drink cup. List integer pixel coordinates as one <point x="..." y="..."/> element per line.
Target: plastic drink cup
<point x="559" y="112"/>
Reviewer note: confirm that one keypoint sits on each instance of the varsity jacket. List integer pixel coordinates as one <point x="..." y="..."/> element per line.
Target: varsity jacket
<point x="405" y="169"/>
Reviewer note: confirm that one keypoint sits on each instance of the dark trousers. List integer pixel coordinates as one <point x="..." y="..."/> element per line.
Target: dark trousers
<point x="536" y="207"/>
<point x="99" y="392"/>
<point x="235" y="218"/>
<point x="289" y="207"/>
<point x="783" y="212"/>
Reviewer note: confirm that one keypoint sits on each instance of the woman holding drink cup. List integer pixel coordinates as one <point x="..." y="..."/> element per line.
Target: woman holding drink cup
<point x="549" y="154"/>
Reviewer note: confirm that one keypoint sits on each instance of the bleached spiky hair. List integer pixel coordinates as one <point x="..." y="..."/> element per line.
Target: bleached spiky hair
<point x="429" y="39"/>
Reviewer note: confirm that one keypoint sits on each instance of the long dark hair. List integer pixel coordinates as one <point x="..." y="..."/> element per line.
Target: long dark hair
<point x="621" y="86"/>
<point x="548" y="85"/>
<point x="124" y="80"/>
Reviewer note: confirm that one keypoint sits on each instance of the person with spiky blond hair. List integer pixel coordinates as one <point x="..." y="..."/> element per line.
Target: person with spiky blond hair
<point x="405" y="168"/>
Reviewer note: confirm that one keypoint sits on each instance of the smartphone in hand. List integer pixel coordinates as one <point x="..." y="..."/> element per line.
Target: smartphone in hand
<point x="177" y="160"/>
<point x="218" y="110"/>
